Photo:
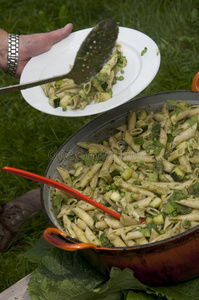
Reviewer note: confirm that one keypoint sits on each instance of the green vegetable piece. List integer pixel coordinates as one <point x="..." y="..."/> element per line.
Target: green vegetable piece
<point x="120" y="78"/>
<point x="142" y="115"/>
<point x="142" y="124"/>
<point x="137" y="182"/>
<point x="151" y="226"/>
<point x="140" y="163"/>
<point x="184" y="105"/>
<point x="177" y="174"/>
<point x="72" y="216"/>
<point x="186" y="224"/>
<point x="195" y="187"/>
<point x="88" y="159"/>
<point x="97" y="84"/>
<point x="127" y="174"/>
<point x="193" y="120"/>
<point x="159" y="166"/>
<point x="171" y="104"/>
<point x="105" y="240"/>
<point x="177" y="195"/>
<point x="170" y="138"/>
<point x="175" y="112"/>
<point x="54" y="102"/>
<point x="115" y="196"/>
<point x="57" y="201"/>
<point x="113" y="186"/>
<point x="155" y="202"/>
<point x="153" y="176"/>
<point x="115" y="173"/>
<point x="145" y="232"/>
<point x="183" y="210"/>
<point x="159" y="219"/>
<point x="58" y="83"/>
<point x="104" y="85"/>
<point x="144" y="51"/>
<point x="148" y="145"/>
<point x="138" y="140"/>
<point x="168" y="208"/>
<point x="156" y="128"/>
<point x="157" y="150"/>
<point x="176" y="208"/>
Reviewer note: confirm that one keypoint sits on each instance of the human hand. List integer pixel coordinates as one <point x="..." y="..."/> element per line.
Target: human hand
<point x="31" y="45"/>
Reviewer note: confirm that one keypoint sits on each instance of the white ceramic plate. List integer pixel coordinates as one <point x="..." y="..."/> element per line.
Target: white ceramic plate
<point x="139" y="72"/>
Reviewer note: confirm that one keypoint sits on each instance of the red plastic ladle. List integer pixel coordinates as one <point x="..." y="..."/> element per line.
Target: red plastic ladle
<point x="61" y="187"/>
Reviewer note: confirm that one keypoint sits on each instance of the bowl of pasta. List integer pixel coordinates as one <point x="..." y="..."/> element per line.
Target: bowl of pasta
<point x="141" y="160"/>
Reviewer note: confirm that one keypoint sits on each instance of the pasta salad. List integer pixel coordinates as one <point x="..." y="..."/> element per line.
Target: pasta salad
<point x="70" y="96"/>
<point x="147" y="172"/>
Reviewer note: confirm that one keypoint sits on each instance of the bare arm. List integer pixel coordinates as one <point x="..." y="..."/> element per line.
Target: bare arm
<point x="31" y="45"/>
<point x="3" y="48"/>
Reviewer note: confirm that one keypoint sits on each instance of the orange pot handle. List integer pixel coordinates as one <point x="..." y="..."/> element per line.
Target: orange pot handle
<point x="50" y="238"/>
<point x="195" y="83"/>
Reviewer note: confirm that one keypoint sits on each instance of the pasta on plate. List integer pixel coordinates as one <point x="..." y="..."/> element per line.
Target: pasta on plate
<point x="70" y="96"/>
<point x="147" y="172"/>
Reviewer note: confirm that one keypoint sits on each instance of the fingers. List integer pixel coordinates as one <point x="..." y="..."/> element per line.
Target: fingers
<point x="59" y="34"/>
<point x="42" y="42"/>
<point x="38" y="43"/>
<point x="35" y="44"/>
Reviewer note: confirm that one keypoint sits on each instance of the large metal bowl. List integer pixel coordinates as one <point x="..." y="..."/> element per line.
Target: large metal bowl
<point x="166" y="262"/>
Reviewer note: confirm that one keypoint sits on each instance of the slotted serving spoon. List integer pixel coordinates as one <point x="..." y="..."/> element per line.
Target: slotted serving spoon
<point x="61" y="187"/>
<point x="91" y="56"/>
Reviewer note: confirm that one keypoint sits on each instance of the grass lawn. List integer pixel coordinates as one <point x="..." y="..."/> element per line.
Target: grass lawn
<point x="28" y="138"/>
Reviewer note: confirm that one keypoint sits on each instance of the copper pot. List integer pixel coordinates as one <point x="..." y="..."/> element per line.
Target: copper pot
<point x="161" y="263"/>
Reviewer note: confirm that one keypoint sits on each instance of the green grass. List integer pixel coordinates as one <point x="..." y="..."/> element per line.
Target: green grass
<point x="28" y="138"/>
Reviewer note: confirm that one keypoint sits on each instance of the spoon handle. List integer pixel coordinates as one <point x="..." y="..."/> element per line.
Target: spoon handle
<point x="23" y="86"/>
<point x="62" y="187"/>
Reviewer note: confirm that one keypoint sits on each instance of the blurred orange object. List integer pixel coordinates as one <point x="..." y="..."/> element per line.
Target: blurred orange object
<point x="195" y="83"/>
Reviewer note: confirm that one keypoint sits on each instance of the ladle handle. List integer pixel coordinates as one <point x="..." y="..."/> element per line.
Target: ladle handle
<point x="53" y="240"/>
<point x="61" y="187"/>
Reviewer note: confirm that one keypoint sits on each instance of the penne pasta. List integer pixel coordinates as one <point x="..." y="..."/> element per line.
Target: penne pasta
<point x="91" y="237"/>
<point x="83" y="215"/>
<point x="93" y="147"/>
<point x="148" y="174"/>
<point x="115" y="240"/>
<point x="66" y="94"/>
<point x="185" y="135"/>
<point x="79" y="233"/>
